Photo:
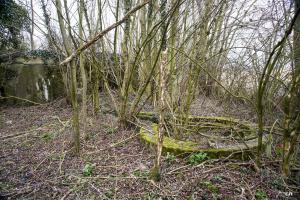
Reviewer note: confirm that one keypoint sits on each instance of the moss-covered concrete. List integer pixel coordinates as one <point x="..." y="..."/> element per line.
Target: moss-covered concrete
<point x="38" y="83"/>
<point x="240" y="150"/>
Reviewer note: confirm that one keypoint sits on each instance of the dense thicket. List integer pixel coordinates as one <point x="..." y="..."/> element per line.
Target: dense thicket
<point x="168" y="53"/>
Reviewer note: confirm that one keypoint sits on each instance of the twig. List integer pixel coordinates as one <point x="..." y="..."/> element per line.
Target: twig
<point x="62" y="159"/>
<point x="23" y="133"/>
<point x="112" y="176"/>
<point x="19" y="98"/>
<point x="102" y="33"/>
<point x="249" y="189"/>
<point x="158" y="187"/>
<point x="116" y="171"/>
<point x="19" y="192"/>
<point x="100" y="193"/>
<point x="125" y="140"/>
<point x="174" y="170"/>
<point x="66" y="195"/>
<point x="114" y="145"/>
<point x="40" y="164"/>
<point x="62" y="123"/>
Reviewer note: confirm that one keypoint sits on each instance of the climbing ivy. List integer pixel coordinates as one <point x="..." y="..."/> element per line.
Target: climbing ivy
<point x="13" y="19"/>
<point x="44" y="54"/>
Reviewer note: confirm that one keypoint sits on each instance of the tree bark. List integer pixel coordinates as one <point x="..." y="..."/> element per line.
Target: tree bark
<point x="82" y="70"/>
<point x="72" y="65"/>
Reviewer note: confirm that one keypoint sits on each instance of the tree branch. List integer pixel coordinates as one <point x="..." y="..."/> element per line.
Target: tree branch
<point x="102" y="33"/>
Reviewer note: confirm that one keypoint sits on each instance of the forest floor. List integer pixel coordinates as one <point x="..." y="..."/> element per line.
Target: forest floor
<point x="36" y="162"/>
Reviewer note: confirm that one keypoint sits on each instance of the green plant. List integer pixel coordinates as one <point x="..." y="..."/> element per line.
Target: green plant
<point x="149" y="196"/>
<point x="197" y="158"/>
<point x="279" y="150"/>
<point x="211" y="187"/>
<point x="14" y="19"/>
<point x="215" y="196"/>
<point x="108" y="194"/>
<point x="278" y="183"/>
<point x="191" y="197"/>
<point x="260" y="195"/>
<point x="111" y="130"/>
<point x="88" y="169"/>
<point x="204" y="195"/>
<point x="47" y="137"/>
<point x="210" y="191"/>
<point x="139" y="173"/>
<point x="170" y="158"/>
<point x="217" y="179"/>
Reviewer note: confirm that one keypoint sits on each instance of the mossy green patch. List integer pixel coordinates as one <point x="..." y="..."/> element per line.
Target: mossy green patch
<point x="169" y="144"/>
<point x="242" y="134"/>
<point x="240" y="150"/>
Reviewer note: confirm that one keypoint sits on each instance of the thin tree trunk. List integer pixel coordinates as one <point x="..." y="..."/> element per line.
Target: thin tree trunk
<point x="155" y="173"/>
<point x="72" y="65"/>
<point x="50" y="36"/>
<point x="69" y="23"/>
<point x="32" y="26"/>
<point x="82" y="71"/>
<point x="174" y="38"/>
<point x="264" y="79"/>
<point x="291" y="103"/>
<point x="125" y="58"/>
<point x="116" y="59"/>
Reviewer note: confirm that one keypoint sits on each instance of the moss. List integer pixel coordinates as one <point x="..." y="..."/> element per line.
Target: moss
<point x="211" y="187"/>
<point x="169" y="144"/>
<point x="240" y="129"/>
<point x="175" y="146"/>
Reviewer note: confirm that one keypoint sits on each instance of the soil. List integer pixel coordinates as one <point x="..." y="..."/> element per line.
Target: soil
<point x="37" y="162"/>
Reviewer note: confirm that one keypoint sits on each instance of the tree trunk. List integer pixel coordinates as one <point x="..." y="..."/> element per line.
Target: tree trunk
<point x="32" y="26"/>
<point x="155" y="173"/>
<point x="125" y="58"/>
<point x="72" y="65"/>
<point x="82" y="71"/>
<point x="291" y="103"/>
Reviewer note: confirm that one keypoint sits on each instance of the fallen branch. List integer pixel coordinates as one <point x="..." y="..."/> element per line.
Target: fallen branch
<point x="19" y="98"/>
<point x="102" y="33"/>
<point x="24" y="133"/>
